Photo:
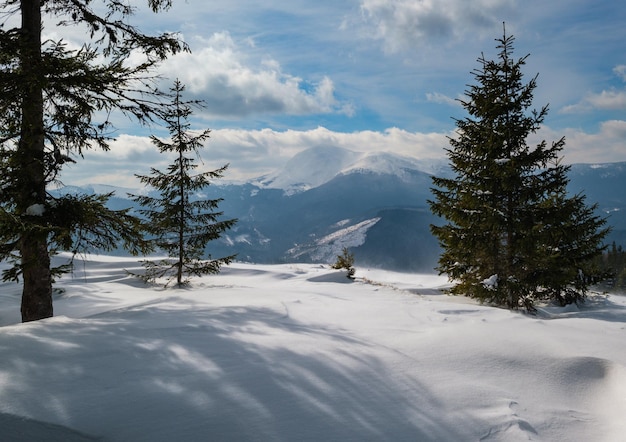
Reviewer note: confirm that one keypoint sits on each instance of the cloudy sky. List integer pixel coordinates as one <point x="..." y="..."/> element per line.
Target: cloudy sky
<point x="278" y="77"/>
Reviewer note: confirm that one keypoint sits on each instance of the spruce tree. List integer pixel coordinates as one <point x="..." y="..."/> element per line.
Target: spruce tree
<point x="55" y="102"/>
<point x="568" y="239"/>
<point x="181" y="226"/>
<point x="512" y="234"/>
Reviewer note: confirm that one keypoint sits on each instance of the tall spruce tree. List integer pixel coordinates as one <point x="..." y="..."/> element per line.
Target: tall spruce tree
<point x="182" y="227"/>
<point x="55" y="102"/>
<point x="512" y="236"/>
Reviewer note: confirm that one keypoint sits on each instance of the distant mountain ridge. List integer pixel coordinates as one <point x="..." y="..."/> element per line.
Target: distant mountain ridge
<point x="375" y="204"/>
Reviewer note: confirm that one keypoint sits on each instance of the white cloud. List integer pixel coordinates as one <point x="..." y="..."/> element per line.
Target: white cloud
<point x="128" y="155"/>
<point x="620" y="71"/>
<point x="250" y="153"/>
<point x="253" y="153"/>
<point x="612" y="99"/>
<point x="436" y="97"/>
<point x="219" y="72"/>
<point x="403" y="24"/>
<point x="604" y="146"/>
<point x="605" y="100"/>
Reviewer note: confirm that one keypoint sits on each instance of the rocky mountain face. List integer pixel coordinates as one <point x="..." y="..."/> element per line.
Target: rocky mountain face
<point x="375" y="204"/>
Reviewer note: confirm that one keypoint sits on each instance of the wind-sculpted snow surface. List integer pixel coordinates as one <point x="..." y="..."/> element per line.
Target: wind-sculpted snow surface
<point x="299" y="353"/>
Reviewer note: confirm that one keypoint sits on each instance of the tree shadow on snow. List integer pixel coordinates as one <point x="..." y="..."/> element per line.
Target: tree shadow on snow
<point x="338" y="277"/>
<point x="601" y="307"/>
<point x="19" y="429"/>
<point x="223" y="374"/>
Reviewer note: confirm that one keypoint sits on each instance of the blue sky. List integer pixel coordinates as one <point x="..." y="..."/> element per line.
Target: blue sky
<point x="278" y="77"/>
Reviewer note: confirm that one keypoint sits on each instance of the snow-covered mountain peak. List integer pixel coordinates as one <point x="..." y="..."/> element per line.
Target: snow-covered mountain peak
<point x="318" y="165"/>
<point x="386" y="163"/>
<point x="310" y="168"/>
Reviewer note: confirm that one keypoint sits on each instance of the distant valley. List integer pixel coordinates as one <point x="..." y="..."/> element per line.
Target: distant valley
<point x="328" y="198"/>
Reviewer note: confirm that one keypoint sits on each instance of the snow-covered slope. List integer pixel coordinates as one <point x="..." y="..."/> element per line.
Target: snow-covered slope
<point x="328" y="247"/>
<point x="297" y="352"/>
<point x="393" y="164"/>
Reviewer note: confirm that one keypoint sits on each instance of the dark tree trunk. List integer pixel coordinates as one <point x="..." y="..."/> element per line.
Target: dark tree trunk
<point x="37" y="292"/>
<point x="182" y="222"/>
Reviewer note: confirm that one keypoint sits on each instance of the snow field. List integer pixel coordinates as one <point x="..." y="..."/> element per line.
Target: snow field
<point x="298" y="352"/>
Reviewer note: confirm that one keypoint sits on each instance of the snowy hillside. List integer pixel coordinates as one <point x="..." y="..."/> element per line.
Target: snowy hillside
<point x="296" y="352"/>
<point x="327" y="248"/>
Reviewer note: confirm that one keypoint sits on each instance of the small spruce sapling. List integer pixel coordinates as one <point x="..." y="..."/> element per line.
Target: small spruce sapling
<point x="181" y="224"/>
<point x="345" y="261"/>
